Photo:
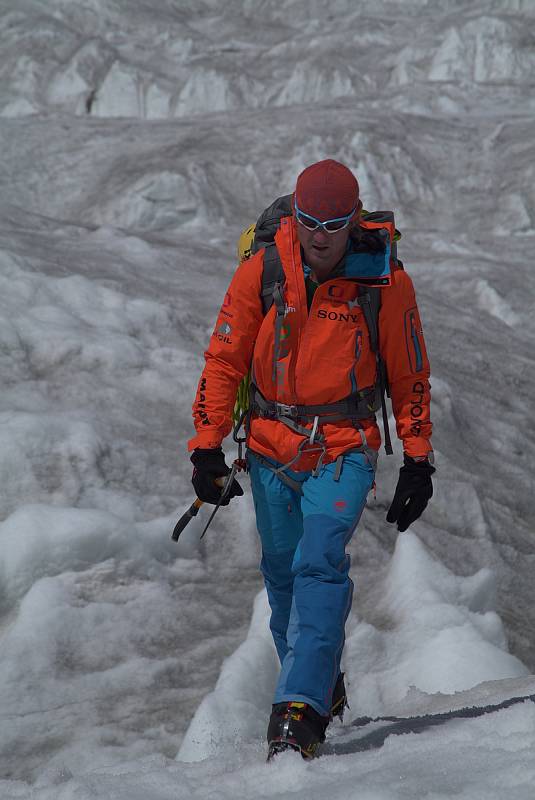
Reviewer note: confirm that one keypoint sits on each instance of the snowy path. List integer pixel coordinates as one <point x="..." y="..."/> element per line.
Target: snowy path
<point x="470" y="744"/>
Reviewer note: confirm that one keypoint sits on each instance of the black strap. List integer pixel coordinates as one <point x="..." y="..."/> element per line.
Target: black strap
<point x="384" y="389"/>
<point x="359" y="405"/>
<point x="369" y="300"/>
<point x="272" y="275"/>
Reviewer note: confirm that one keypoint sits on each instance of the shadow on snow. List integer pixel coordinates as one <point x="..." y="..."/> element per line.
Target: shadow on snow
<point x="364" y="740"/>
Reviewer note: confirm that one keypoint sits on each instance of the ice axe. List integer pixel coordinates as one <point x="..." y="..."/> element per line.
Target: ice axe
<point x="192" y="511"/>
<point x="225" y="484"/>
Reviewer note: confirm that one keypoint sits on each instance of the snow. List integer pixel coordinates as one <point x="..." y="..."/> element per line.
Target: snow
<point x="137" y="141"/>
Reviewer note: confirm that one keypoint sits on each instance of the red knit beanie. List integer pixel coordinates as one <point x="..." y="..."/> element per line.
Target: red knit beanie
<point x="327" y="190"/>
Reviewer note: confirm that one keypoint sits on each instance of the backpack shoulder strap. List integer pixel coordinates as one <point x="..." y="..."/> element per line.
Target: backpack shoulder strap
<point x="265" y="229"/>
<point x="272" y="284"/>
<point x="272" y="275"/>
<point x="369" y="299"/>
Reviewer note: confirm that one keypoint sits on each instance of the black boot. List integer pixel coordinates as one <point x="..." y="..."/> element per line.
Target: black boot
<point x="295" y="726"/>
<point x="339" y="700"/>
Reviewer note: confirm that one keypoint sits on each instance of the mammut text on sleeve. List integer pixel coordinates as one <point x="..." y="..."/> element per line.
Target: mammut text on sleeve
<point x="201" y="403"/>
<point x="228" y="356"/>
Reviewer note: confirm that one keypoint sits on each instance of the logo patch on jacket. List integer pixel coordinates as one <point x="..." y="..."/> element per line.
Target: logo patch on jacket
<point x="337" y="316"/>
<point x="222" y="332"/>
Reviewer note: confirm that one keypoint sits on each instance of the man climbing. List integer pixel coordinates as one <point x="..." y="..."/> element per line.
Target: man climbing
<point x="325" y="319"/>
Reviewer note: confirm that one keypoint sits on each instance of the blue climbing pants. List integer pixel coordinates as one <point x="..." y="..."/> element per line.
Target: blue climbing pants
<point x="306" y="568"/>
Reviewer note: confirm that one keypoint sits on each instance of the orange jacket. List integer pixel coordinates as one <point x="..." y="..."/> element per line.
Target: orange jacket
<point x="324" y="355"/>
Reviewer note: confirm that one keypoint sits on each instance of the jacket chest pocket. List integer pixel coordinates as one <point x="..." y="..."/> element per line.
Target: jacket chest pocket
<point x="339" y="340"/>
<point x="347" y="327"/>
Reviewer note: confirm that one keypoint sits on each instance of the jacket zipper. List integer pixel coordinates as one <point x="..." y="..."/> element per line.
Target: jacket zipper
<point x="416" y="343"/>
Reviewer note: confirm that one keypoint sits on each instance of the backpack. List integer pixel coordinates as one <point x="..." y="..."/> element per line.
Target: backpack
<point x="273" y="282"/>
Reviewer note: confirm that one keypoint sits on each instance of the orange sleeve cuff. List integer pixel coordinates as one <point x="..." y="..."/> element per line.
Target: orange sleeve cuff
<point x="205" y="439"/>
<point x="416" y="446"/>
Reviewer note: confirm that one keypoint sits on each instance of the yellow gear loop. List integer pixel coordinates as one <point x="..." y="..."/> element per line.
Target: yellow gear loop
<point x="245" y="243"/>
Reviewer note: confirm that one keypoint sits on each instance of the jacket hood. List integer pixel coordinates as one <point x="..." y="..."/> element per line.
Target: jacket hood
<point x="368" y="257"/>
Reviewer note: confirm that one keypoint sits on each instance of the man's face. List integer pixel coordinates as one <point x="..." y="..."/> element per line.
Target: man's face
<point x="323" y="250"/>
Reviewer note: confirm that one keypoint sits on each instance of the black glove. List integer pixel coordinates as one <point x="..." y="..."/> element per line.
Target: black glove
<point x="412" y="494"/>
<point x="209" y="465"/>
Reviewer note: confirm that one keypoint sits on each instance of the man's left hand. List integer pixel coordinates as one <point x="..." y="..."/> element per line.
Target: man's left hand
<point x="412" y="494"/>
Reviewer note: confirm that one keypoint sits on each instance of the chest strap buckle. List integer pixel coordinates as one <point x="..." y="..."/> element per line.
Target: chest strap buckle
<point x="284" y="410"/>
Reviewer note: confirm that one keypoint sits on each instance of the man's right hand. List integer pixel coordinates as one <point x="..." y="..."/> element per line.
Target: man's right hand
<point x="209" y="464"/>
